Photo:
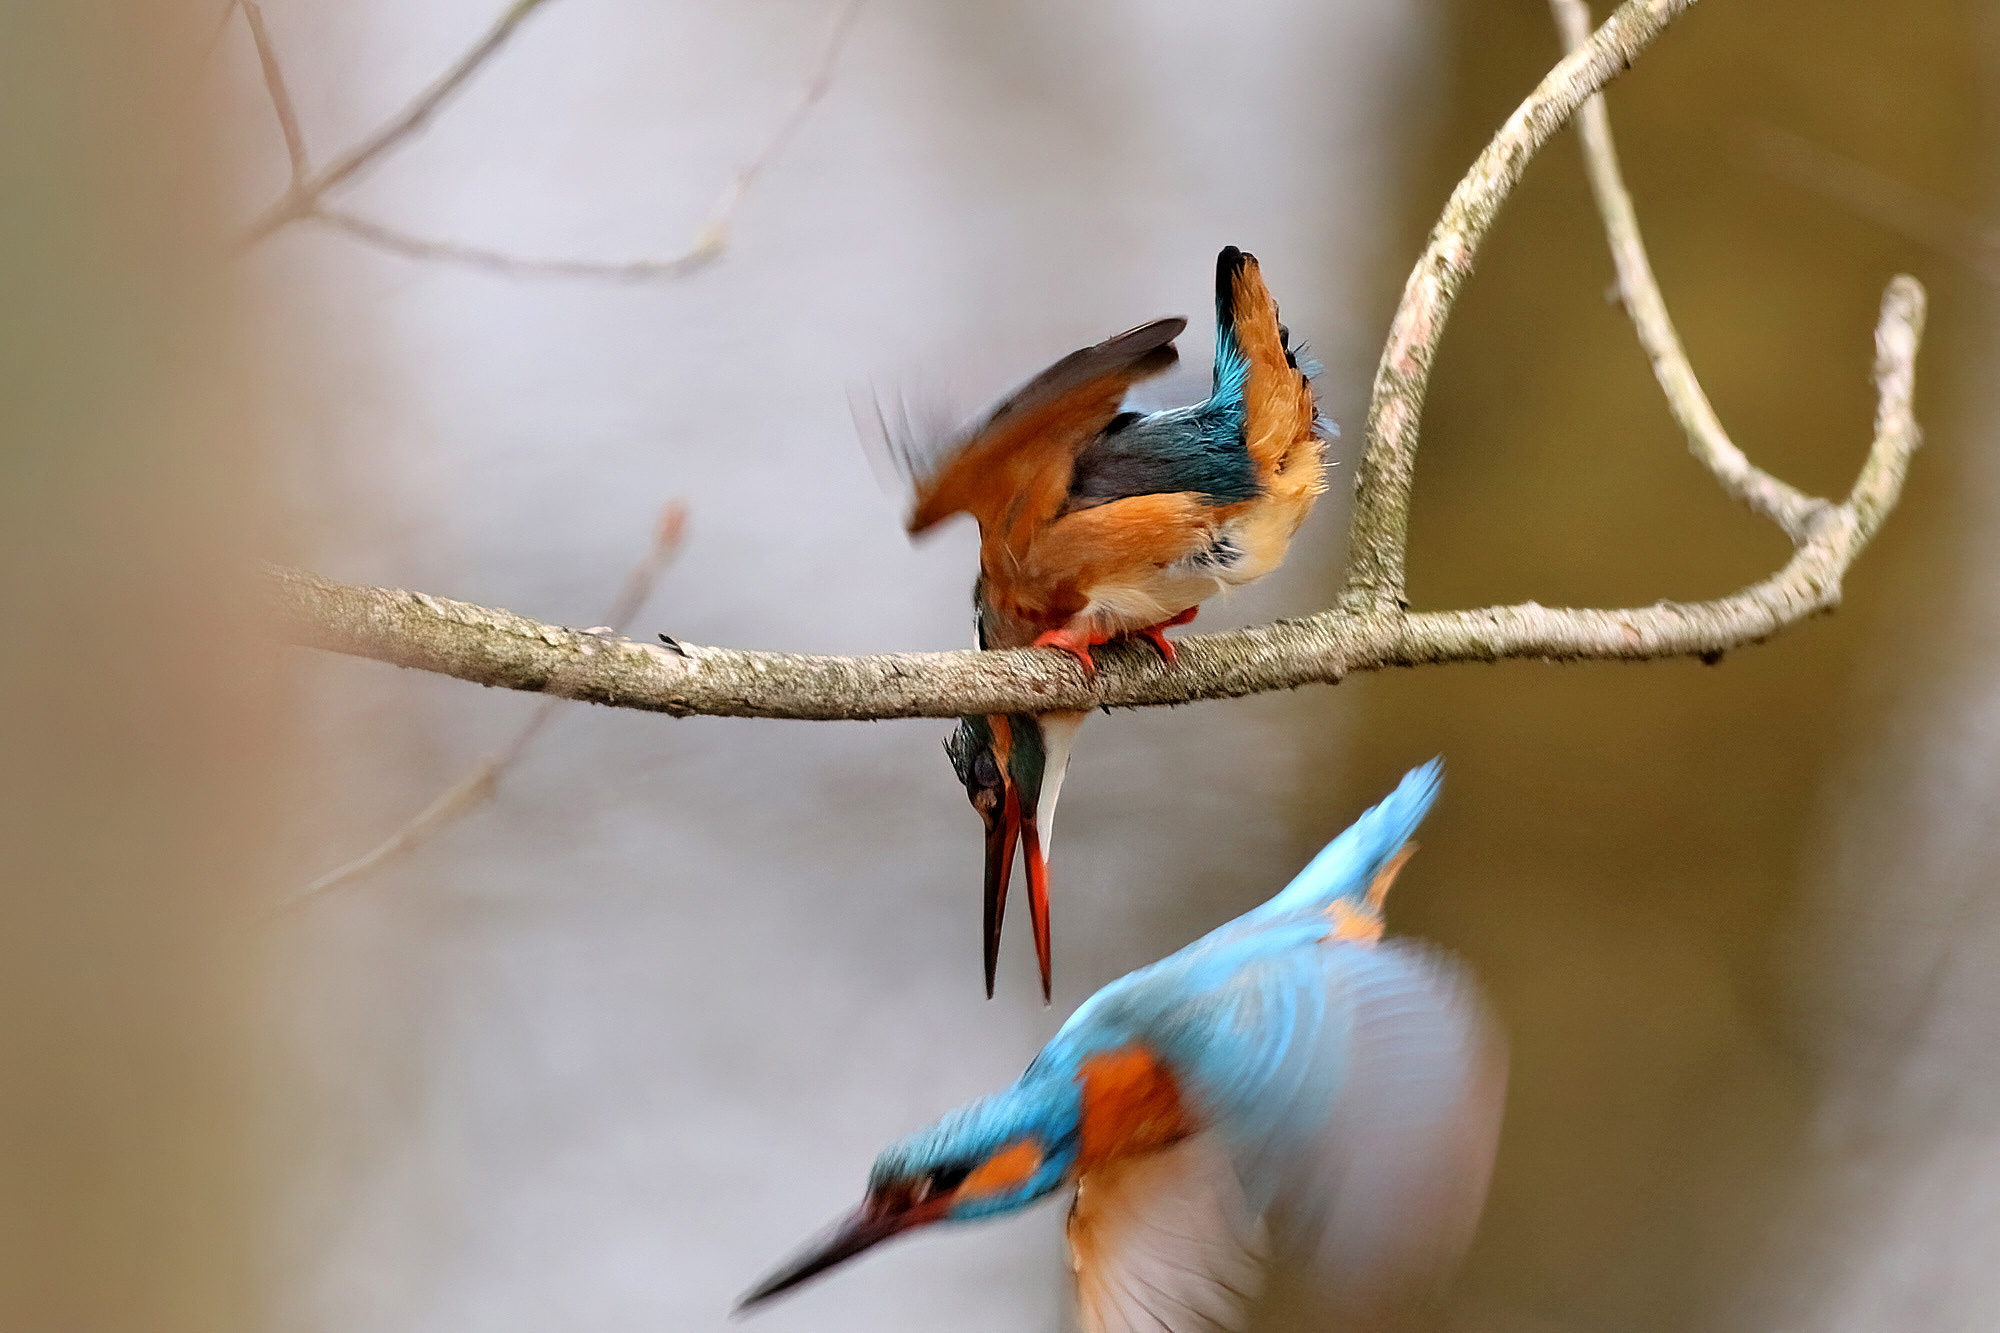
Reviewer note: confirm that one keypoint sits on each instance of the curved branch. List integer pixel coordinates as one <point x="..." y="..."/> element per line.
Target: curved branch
<point x="1749" y="485"/>
<point x="1381" y="521"/>
<point x="1367" y="630"/>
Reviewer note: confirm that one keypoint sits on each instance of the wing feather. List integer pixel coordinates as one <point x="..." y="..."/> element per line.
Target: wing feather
<point x="1357" y="1088"/>
<point x="1165" y="1243"/>
<point x="1012" y="471"/>
<point x="1385" y="1195"/>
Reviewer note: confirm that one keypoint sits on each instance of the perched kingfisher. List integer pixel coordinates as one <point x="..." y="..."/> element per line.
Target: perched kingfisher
<point x="1097" y="523"/>
<point x="1289" y="1089"/>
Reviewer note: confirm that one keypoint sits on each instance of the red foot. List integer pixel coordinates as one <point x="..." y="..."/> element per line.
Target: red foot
<point x="1077" y="643"/>
<point x="1157" y="635"/>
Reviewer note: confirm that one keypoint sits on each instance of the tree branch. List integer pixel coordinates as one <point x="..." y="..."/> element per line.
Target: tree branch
<point x="1379" y="530"/>
<point x="1757" y="490"/>
<point x="281" y="96"/>
<point x="305" y="198"/>
<point x="707" y="247"/>
<point x="1369" y="628"/>
<point x="478" y="787"/>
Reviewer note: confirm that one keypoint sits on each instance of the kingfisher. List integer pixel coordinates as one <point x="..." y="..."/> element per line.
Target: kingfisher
<point x="1097" y="523"/>
<point x="1291" y="1089"/>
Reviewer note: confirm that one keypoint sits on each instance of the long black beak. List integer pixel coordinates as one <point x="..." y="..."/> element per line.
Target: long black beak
<point x="862" y="1229"/>
<point x="1003" y="829"/>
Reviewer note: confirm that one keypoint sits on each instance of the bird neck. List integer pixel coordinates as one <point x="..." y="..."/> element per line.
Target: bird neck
<point x="1058" y="736"/>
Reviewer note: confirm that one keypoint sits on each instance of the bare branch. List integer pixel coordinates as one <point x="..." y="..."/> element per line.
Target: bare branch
<point x="709" y="242"/>
<point x="1749" y="485"/>
<point x="707" y="248"/>
<point x="817" y="83"/>
<point x="1369" y="628"/>
<point x="304" y="196"/>
<point x="478" y="786"/>
<point x="1882" y="200"/>
<point x="281" y="96"/>
<point x="221" y="29"/>
<point x="1380" y="525"/>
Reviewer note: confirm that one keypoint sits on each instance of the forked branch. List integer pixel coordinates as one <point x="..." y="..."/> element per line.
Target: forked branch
<point x="305" y="198"/>
<point x="1368" y="629"/>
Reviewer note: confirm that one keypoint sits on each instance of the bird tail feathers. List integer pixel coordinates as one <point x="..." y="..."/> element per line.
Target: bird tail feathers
<point x="1257" y="368"/>
<point x="1346" y="867"/>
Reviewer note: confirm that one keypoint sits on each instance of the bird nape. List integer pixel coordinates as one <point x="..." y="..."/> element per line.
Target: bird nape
<point x="1289" y="1086"/>
<point x="1097" y="523"/>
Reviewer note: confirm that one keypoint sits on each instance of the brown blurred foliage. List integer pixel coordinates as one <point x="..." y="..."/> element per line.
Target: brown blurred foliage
<point x="1620" y="850"/>
<point x="137" y="706"/>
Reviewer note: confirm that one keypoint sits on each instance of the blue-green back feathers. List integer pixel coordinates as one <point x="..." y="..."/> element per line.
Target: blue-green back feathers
<point x="1199" y="448"/>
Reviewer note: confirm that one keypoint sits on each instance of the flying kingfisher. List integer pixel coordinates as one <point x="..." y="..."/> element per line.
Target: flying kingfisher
<point x="1097" y="523"/>
<point x="1288" y="1089"/>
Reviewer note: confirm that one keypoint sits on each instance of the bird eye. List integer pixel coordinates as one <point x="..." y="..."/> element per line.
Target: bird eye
<point x="942" y="1181"/>
<point x="984" y="771"/>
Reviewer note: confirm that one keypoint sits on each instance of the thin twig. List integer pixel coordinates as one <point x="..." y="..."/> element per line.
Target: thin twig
<point x="478" y="786"/>
<point x="1749" y="485"/>
<point x="708" y="247"/>
<point x="281" y="96"/>
<point x="710" y="240"/>
<point x="1368" y="630"/>
<point x="304" y="197"/>
<point x="220" y="31"/>
<point x="1881" y="199"/>
<point x="817" y="84"/>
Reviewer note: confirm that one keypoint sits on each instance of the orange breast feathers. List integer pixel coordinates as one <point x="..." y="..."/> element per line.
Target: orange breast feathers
<point x="1131" y="1106"/>
<point x="1082" y="557"/>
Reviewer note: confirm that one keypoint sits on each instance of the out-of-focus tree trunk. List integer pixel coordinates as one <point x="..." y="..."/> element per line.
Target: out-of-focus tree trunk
<point x="135" y="698"/>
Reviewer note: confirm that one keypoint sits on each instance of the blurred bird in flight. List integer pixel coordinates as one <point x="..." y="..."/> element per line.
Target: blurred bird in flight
<point x="1097" y="523"/>
<point x="1288" y="1090"/>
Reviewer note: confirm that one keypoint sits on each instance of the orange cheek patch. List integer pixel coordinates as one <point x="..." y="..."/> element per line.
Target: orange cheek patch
<point x="1131" y="1105"/>
<point x="1012" y="1166"/>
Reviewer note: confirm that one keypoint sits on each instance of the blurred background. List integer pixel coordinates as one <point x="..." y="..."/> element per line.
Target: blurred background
<point x="596" y="1055"/>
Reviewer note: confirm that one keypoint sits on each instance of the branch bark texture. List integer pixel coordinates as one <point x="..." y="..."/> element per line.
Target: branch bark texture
<point x="1369" y="628"/>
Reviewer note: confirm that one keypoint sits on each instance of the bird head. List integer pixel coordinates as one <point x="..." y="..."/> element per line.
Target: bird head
<point x="1002" y="760"/>
<point x="982" y="1160"/>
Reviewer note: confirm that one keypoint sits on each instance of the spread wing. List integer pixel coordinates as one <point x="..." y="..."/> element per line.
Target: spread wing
<point x="1012" y="471"/>
<point x="1357" y="1090"/>
<point x="1165" y="1243"/>
<point x="1378" y="1199"/>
